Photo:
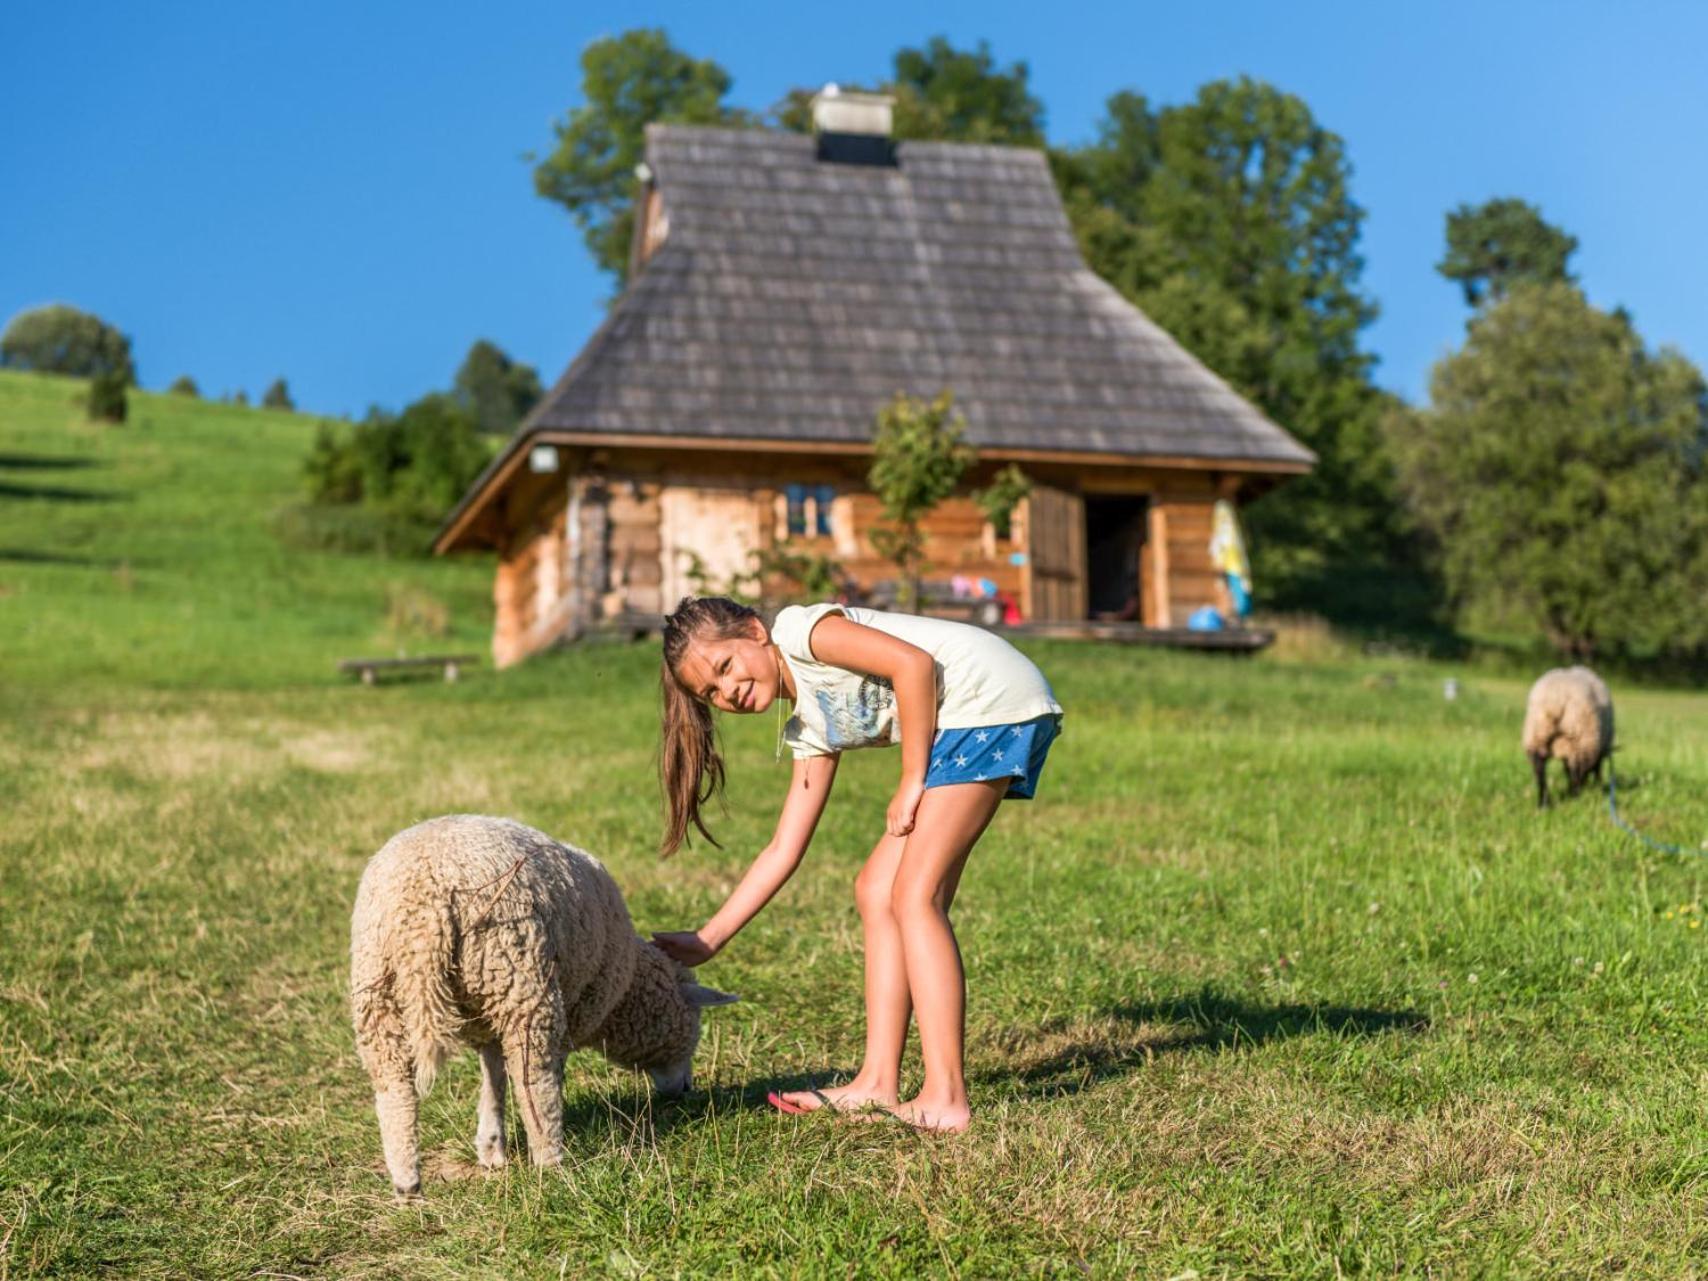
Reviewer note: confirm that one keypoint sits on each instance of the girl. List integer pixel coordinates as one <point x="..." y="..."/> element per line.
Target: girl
<point x="975" y="720"/>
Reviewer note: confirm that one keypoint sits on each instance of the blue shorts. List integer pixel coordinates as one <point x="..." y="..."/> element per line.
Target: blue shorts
<point x="985" y="752"/>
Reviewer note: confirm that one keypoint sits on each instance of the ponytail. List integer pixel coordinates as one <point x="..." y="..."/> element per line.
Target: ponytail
<point x="690" y="767"/>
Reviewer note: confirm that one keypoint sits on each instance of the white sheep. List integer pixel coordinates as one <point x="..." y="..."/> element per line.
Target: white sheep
<point x="482" y="932"/>
<point x="1569" y="717"/>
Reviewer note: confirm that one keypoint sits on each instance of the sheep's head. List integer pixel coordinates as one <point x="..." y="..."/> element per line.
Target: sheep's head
<point x="656" y="1027"/>
<point x="672" y="1078"/>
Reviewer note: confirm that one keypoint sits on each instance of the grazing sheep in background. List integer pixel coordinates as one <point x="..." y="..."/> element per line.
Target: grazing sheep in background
<point x="482" y="932"/>
<point x="1569" y="717"/>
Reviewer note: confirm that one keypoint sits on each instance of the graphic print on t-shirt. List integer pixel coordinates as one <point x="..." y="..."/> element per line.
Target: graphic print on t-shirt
<point x="857" y="719"/>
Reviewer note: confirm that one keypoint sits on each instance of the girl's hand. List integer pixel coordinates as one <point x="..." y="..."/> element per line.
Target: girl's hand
<point x="685" y="946"/>
<point x="903" y="805"/>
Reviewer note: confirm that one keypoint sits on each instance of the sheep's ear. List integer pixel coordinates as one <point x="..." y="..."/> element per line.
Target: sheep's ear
<point x="706" y="997"/>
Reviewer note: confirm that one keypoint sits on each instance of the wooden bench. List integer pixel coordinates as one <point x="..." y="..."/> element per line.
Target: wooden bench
<point x="370" y="668"/>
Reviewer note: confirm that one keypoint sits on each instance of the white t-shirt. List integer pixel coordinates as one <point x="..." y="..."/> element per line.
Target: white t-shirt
<point x="981" y="680"/>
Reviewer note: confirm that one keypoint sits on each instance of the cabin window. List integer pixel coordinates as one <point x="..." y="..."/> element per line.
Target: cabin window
<point x="795" y="523"/>
<point x="807" y="510"/>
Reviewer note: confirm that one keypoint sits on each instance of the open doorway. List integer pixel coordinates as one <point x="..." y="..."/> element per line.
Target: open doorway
<point x="1114" y="541"/>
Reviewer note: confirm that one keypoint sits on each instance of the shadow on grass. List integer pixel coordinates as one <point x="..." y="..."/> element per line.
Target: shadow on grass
<point x="57" y="493"/>
<point x="1207" y="1020"/>
<point x="28" y="556"/>
<point x="45" y="462"/>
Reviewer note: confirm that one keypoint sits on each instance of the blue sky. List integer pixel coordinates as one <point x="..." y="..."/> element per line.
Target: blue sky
<point x="340" y="193"/>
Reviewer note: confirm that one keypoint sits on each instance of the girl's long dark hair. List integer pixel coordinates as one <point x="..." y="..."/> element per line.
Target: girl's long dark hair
<point x="689" y="764"/>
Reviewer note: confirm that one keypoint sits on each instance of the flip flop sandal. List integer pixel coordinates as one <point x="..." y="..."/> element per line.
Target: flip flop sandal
<point x="825" y="1103"/>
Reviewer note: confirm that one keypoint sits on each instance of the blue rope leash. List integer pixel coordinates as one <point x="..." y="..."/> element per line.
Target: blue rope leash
<point x="1613" y="812"/>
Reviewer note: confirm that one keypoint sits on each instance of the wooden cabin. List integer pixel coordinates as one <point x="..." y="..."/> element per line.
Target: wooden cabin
<point x="783" y="288"/>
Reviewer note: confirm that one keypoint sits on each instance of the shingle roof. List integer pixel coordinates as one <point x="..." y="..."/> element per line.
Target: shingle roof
<point x="792" y="296"/>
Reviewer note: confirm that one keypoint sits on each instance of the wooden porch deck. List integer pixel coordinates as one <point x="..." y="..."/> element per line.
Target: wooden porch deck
<point x="1238" y="640"/>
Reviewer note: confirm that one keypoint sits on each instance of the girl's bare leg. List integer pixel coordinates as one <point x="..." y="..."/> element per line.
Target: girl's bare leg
<point x="948" y="824"/>
<point x="888" y="1004"/>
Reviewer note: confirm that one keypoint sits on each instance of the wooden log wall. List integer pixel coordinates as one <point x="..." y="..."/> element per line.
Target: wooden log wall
<point x="1180" y="576"/>
<point x="533" y="574"/>
<point x="636" y="511"/>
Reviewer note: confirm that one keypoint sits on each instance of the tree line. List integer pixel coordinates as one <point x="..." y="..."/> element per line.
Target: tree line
<point x="1551" y="488"/>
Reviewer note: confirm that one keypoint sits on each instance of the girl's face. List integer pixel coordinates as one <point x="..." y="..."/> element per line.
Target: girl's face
<point x="742" y="674"/>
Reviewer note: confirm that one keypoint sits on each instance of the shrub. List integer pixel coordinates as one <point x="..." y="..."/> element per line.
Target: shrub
<point x="401" y="472"/>
<point x="277" y="396"/>
<point x="184" y="385"/>
<point x="106" y="401"/>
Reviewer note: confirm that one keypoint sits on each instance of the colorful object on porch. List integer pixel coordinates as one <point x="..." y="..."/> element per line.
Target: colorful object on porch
<point x="1206" y="618"/>
<point x="1227" y="551"/>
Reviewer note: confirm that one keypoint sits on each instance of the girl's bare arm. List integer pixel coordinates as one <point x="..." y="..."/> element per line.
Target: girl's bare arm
<point x="809" y="788"/>
<point x="912" y="673"/>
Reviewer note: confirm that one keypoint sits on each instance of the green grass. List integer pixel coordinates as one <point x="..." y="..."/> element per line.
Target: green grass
<point x="1280" y="975"/>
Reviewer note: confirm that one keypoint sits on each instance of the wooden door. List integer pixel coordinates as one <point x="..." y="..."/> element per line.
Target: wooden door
<point x="1055" y="555"/>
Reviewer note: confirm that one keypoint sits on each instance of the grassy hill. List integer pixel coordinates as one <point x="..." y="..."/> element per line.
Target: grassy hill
<point x="1281" y="974"/>
<point x="142" y="554"/>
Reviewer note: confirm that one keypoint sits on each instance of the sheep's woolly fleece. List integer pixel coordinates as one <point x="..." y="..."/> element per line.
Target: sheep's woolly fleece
<point x="1569" y="717"/>
<point x="480" y="931"/>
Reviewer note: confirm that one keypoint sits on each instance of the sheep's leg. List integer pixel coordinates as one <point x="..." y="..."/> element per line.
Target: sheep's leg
<point x="1539" y="763"/>
<point x="533" y="1055"/>
<point x="396" y="1103"/>
<point x="489" y="1131"/>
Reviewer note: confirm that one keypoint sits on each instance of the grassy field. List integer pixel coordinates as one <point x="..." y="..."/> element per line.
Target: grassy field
<point x="1282" y="974"/>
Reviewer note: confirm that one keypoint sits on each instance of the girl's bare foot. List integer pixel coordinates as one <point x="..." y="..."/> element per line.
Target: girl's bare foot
<point x="938" y="1119"/>
<point x="853" y="1097"/>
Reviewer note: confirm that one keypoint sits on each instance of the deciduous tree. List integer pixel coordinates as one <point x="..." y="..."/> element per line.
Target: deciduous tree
<point x="1501" y="243"/>
<point x="1560" y="469"/>
<point x="947" y="94"/>
<point x="628" y="82"/>
<point x="1229" y="221"/>
<point x="498" y="391"/>
<point x="58" y="339"/>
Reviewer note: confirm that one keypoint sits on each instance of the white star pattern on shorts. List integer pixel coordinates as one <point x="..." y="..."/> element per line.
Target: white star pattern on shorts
<point x="997" y="754"/>
<point x="937" y="764"/>
<point x="982" y="736"/>
<point x="961" y="760"/>
<point x="1018" y="771"/>
<point x="979" y="779"/>
<point x="1015" y="731"/>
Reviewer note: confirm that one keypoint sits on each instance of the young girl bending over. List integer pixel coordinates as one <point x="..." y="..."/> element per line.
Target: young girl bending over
<point x="975" y="720"/>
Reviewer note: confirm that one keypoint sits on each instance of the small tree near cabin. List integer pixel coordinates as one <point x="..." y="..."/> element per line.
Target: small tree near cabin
<point x="277" y="396"/>
<point x="998" y="499"/>
<point x="918" y="457"/>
